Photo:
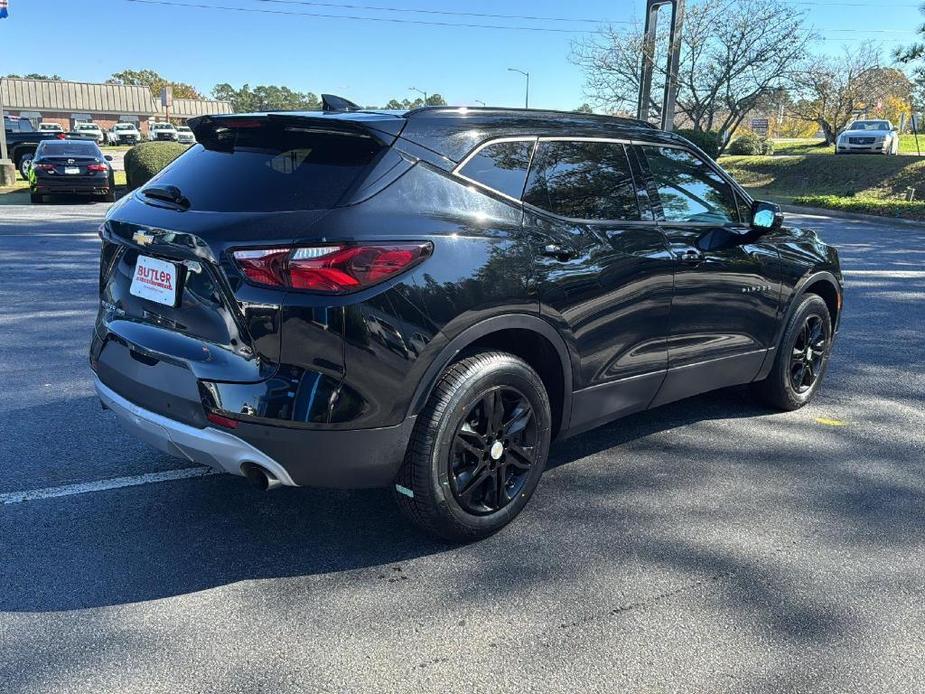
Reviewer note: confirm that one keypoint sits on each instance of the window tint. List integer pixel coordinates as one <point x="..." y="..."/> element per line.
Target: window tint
<point x="689" y="190"/>
<point x="583" y="180"/>
<point x="266" y="167"/>
<point x="501" y="166"/>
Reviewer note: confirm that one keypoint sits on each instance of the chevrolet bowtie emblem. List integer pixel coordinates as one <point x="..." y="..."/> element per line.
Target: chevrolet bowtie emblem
<point x="142" y="239"/>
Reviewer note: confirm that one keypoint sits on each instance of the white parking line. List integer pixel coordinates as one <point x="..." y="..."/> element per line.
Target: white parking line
<point x="103" y="485"/>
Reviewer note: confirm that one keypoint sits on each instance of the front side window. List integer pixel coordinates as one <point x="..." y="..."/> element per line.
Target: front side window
<point x="501" y="166"/>
<point x="688" y="188"/>
<point x="583" y="180"/>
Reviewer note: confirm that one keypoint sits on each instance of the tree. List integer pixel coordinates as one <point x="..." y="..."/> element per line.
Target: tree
<point x="266" y="98"/>
<point x="914" y="55"/>
<point x="408" y="104"/>
<point x="733" y="53"/>
<point x="830" y="90"/>
<point x="38" y="76"/>
<point x="154" y="82"/>
<point x="584" y="108"/>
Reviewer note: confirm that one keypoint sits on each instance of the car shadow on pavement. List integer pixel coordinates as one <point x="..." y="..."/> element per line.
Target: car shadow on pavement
<point x="155" y="541"/>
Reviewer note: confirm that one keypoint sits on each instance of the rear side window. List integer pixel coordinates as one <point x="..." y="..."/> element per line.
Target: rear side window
<point x="501" y="166"/>
<point x="268" y="167"/>
<point x="689" y="190"/>
<point x="583" y="180"/>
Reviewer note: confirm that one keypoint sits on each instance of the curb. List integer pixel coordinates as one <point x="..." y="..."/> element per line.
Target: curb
<point x="857" y="216"/>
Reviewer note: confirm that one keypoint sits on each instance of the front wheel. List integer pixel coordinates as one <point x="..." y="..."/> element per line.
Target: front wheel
<point x="802" y="357"/>
<point x="478" y="449"/>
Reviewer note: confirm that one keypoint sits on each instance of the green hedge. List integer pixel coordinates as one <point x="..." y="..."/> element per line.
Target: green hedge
<point x="900" y="209"/>
<point x="750" y="144"/>
<point x="144" y="160"/>
<point x="709" y="141"/>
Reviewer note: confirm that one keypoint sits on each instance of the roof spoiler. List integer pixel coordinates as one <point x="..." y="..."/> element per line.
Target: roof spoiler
<point x="384" y="129"/>
<point x="330" y="102"/>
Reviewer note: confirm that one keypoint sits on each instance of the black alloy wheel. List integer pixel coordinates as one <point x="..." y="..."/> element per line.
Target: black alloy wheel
<point x="807" y="354"/>
<point x="478" y="448"/>
<point x="802" y="357"/>
<point x="493" y="451"/>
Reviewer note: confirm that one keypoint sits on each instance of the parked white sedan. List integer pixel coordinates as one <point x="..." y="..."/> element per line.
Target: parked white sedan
<point x="877" y="136"/>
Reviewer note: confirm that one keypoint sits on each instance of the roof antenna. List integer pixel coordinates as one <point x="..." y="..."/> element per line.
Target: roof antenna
<point x="330" y="102"/>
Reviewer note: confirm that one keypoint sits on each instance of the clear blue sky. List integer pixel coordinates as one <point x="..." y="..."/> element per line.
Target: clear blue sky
<point x="367" y="61"/>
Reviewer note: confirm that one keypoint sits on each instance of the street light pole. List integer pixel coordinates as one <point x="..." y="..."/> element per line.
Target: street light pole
<point x="527" y="93"/>
<point x="419" y="91"/>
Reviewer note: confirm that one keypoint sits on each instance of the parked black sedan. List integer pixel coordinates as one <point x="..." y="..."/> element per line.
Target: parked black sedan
<point x="71" y="167"/>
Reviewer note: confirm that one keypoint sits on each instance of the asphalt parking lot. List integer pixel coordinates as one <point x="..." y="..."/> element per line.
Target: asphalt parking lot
<point x="709" y="545"/>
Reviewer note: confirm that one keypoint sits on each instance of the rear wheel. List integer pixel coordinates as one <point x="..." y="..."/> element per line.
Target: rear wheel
<point x="24" y="164"/>
<point x="478" y="449"/>
<point x="801" y="359"/>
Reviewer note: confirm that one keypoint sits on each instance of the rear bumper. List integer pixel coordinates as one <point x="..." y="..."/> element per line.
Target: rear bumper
<point x="71" y="187"/>
<point x="208" y="446"/>
<point x="296" y="456"/>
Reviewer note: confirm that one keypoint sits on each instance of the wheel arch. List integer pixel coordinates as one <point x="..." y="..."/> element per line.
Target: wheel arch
<point x="523" y="335"/>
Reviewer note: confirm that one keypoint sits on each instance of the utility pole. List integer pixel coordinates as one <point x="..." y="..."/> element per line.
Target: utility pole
<point x="419" y="91"/>
<point x="7" y="170"/>
<point x="648" y="61"/>
<point x="527" y="94"/>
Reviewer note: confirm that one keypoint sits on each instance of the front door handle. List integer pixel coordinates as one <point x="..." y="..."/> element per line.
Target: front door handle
<point x="554" y="250"/>
<point x="690" y="256"/>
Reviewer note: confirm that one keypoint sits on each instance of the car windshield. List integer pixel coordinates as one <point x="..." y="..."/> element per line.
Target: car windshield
<point x="161" y="126"/>
<point x="68" y="149"/>
<point x="183" y="129"/>
<point x="124" y="127"/>
<point x="870" y="125"/>
<point x="86" y="126"/>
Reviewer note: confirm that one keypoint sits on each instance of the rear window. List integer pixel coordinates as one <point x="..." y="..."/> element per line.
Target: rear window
<point x="269" y="168"/>
<point x="58" y="148"/>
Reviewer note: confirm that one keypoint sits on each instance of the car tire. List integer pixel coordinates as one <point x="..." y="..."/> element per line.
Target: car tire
<point x="37" y="198"/>
<point x="23" y="164"/>
<point x="108" y="197"/>
<point x="802" y="357"/>
<point x="461" y="480"/>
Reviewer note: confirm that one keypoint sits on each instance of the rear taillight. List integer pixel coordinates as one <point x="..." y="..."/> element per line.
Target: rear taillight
<point x="96" y="167"/>
<point x="61" y="136"/>
<point x="330" y="269"/>
<point x="43" y="167"/>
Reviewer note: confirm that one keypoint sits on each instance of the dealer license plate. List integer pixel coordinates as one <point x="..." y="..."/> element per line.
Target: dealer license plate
<point x="155" y="280"/>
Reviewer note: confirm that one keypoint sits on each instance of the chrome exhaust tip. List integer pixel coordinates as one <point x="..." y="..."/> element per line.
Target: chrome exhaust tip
<point x="260" y="478"/>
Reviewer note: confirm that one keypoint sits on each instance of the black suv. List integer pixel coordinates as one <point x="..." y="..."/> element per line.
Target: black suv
<point x="424" y="300"/>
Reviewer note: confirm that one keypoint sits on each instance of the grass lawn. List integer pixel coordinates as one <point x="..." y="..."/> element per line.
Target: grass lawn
<point x="813" y="146"/>
<point x="853" y="182"/>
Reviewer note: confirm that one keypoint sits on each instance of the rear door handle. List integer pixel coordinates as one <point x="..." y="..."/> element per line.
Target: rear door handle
<point x="553" y="250"/>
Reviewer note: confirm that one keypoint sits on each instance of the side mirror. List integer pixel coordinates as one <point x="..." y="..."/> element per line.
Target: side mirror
<point x="766" y="216"/>
<point x="107" y="157"/>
